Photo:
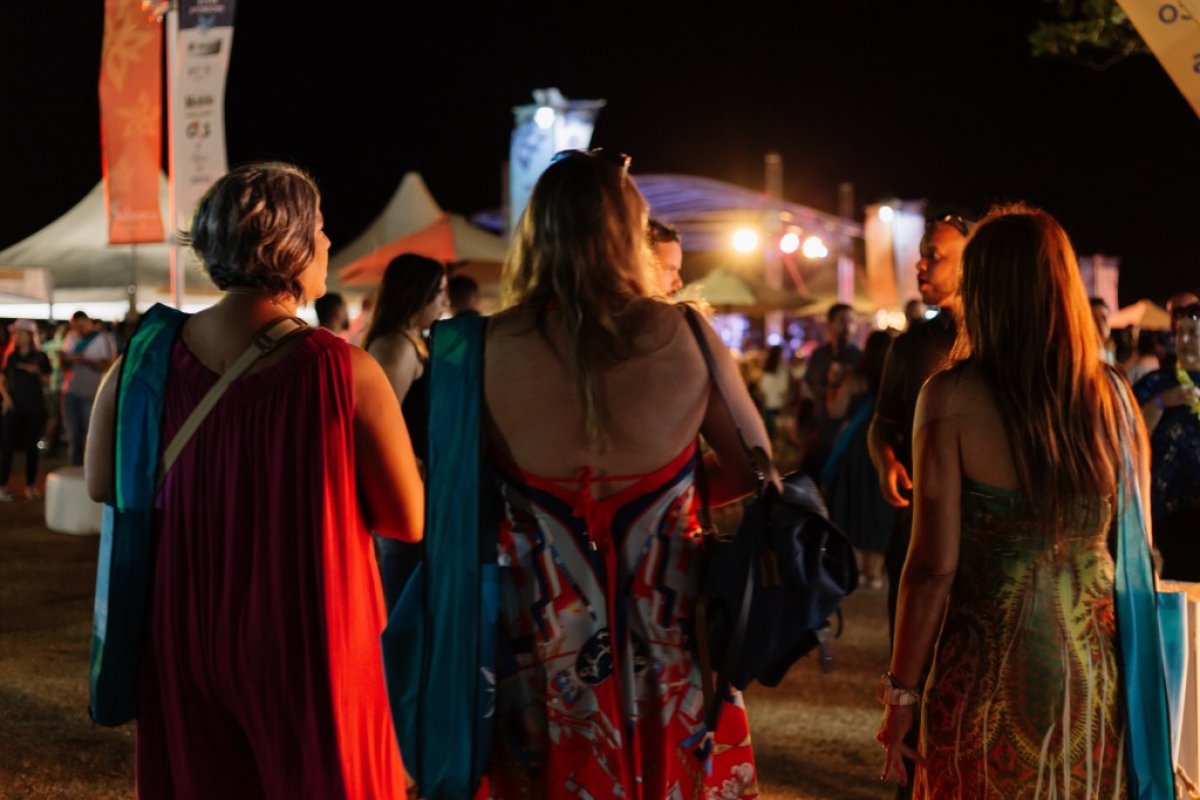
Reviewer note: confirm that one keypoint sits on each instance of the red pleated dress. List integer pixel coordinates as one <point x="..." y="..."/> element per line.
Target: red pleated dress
<point x="262" y="674"/>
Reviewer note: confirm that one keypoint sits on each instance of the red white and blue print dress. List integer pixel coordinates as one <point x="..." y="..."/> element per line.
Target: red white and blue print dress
<point x="598" y="694"/>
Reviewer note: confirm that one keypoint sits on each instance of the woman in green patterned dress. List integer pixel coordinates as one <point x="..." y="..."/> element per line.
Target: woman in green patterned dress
<point x="1017" y="450"/>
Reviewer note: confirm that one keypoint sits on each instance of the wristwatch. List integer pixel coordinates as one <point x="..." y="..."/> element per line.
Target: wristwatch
<point x="891" y="693"/>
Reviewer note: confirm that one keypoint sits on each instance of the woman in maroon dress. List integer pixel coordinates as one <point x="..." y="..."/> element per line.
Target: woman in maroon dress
<point x="261" y="673"/>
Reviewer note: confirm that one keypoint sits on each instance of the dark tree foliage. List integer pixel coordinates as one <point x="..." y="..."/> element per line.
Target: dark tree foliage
<point x="1095" y="33"/>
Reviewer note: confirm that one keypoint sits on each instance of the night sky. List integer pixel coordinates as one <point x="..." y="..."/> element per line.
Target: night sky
<point x="934" y="100"/>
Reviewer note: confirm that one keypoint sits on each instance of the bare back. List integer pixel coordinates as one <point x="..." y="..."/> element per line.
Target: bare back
<point x="654" y="402"/>
<point x="985" y="448"/>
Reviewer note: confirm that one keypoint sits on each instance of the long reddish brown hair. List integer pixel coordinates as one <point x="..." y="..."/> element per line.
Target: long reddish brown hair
<point x="1028" y="327"/>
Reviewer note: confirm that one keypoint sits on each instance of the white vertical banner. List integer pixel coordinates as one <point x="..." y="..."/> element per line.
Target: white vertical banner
<point x="893" y="232"/>
<point x="1171" y="29"/>
<point x="1100" y="275"/>
<point x="550" y="124"/>
<point x="198" y="71"/>
<point x="908" y="228"/>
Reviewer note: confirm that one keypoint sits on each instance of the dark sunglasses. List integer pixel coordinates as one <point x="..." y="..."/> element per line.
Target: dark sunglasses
<point x="611" y="156"/>
<point x="1191" y="312"/>
<point x="954" y="221"/>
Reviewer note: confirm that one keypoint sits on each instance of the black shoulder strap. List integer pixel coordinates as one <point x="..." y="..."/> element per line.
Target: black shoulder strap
<point x="715" y="698"/>
<point x="752" y="453"/>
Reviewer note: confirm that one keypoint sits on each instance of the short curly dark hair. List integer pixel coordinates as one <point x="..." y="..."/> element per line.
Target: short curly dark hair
<point x="254" y="228"/>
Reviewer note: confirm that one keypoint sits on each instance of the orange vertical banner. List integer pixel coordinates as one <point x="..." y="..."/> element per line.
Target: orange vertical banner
<point x="131" y="122"/>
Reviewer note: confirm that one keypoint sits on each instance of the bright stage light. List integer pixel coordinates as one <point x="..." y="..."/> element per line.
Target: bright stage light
<point x="544" y="117"/>
<point x="789" y="243"/>
<point x="886" y="213"/>
<point x="815" y="248"/>
<point x="745" y="240"/>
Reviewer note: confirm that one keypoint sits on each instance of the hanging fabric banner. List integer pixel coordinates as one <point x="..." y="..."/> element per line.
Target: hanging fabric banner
<point x="1171" y="29"/>
<point x="131" y="122"/>
<point x="200" y="66"/>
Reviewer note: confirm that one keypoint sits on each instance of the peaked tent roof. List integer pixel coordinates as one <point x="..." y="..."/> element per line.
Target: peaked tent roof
<point x="1144" y="314"/>
<point x="75" y="249"/>
<point x="411" y="209"/>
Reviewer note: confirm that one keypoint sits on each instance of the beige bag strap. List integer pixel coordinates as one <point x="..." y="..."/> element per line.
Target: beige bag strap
<point x="265" y="339"/>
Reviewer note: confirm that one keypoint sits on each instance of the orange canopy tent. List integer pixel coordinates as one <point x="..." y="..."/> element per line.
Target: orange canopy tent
<point x="413" y="222"/>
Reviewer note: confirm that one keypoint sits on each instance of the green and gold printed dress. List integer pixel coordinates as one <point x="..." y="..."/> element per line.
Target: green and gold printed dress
<point x="1023" y="699"/>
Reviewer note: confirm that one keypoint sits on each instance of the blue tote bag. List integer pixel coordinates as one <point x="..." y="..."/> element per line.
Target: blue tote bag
<point x="439" y="644"/>
<point x="126" y="550"/>
<point x="1144" y="644"/>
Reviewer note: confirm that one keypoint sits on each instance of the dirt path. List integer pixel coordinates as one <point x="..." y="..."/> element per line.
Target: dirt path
<point x="813" y="735"/>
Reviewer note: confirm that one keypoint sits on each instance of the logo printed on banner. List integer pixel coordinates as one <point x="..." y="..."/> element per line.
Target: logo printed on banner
<point x="130" y="121"/>
<point x="204" y="40"/>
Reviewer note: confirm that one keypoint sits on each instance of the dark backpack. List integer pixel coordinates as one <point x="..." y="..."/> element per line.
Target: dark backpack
<point x="794" y="566"/>
<point x="769" y="591"/>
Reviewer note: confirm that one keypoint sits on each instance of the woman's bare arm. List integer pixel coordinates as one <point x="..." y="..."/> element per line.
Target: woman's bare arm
<point x="729" y="471"/>
<point x="389" y="483"/>
<point x="932" y="560"/>
<point x="98" y="455"/>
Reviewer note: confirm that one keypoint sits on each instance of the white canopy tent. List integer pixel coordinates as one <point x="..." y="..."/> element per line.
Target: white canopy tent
<point x="74" y="250"/>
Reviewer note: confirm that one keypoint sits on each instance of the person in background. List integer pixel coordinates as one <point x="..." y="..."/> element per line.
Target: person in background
<point x="332" y="314"/>
<point x="358" y="326"/>
<point x="1170" y="401"/>
<point x="411" y="298"/>
<point x="913" y="357"/>
<point x="914" y="313"/>
<point x="596" y="392"/>
<point x="24" y="374"/>
<point x="262" y="674"/>
<point x="1177" y="300"/>
<point x="1146" y="360"/>
<point x="1009" y="585"/>
<point x="829" y="365"/>
<point x="773" y="389"/>
<point x="667" y="246"/>
<point x="87" y="352"/>
<point x="1100" y="314"/>
<point x="52" y="347"/>
<point x="849" y="478"/>
<point x="463" y="292"/>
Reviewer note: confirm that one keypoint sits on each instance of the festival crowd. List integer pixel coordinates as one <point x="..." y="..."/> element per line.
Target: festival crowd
<point x="981" y="463"/>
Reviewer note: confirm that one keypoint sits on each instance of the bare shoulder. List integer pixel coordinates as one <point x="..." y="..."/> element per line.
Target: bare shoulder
<point x="946" y="394"/>
<point x="367" y="374"/>
<point x="394" y="347"/>
<point x="511" y="322"/>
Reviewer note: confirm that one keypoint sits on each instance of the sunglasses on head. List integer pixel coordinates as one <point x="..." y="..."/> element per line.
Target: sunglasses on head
<point x="611" y="156"/>
<point x="1186" y="312"/>
<point x="954" y="221"/>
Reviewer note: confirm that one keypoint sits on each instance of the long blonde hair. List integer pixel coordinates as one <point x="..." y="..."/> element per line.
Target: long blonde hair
<point x="580" y="249"/>
<point x="1028" y="327"/>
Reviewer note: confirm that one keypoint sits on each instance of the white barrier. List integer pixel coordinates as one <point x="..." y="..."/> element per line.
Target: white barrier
<point x="68" y="507"/>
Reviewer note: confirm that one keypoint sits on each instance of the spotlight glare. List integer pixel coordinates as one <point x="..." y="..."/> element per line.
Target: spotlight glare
<point x="814" y="248"/>
<point x="544" y="117"/>
<point x="789" y="243"/>
<point x="886" y="213"/>
<point x="745" y="240"/>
